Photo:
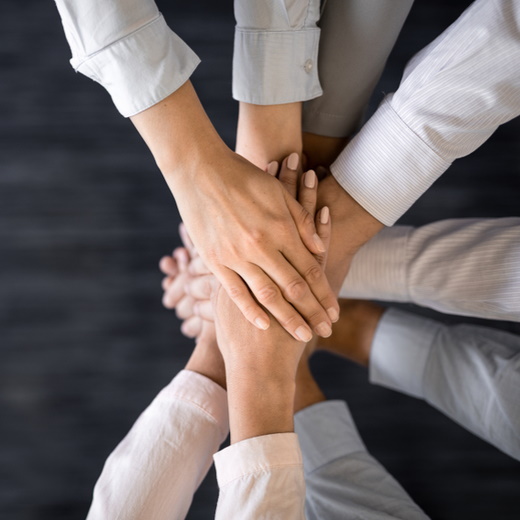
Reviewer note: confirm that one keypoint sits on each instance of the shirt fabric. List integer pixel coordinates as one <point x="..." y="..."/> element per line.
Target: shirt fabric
<point x="470" y="373"/>
<point x="453" y="96"/>
<point x="469" y="267"/>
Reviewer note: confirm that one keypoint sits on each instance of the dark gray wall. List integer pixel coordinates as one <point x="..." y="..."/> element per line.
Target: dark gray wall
<point x="84" y="218"/>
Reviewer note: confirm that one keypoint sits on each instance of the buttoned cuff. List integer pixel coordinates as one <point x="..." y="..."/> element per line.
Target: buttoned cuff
<point x="257" y="455"/>
<point x="141" y="69"/>
<point x="379" y="269"/>
<point x="387" y="167"/>
<point x="327" y="432"/>
<point x="203" y="393"/>
<point x="275" y="67"/>
<point x="400" y="351"/>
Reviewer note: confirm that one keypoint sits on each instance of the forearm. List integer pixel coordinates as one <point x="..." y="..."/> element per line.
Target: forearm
<point x="268" y="133"/>
<point x="180" y="136"/>
<point x="259" y="405"/>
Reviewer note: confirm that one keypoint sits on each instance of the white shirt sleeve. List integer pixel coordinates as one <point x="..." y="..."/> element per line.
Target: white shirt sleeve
<point x="470" y="373"/>
<point x="453" y="96"/>
<point x="275" y="56"/>
<point x="343" y="480"/>
<point x="127" y="47"/>
<point x="154" y="472"/>
<point x="469" y="267"/>
<point x="261" y="477"/>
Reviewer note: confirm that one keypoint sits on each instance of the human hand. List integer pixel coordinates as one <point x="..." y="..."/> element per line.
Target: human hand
<point x="250" y="230"/>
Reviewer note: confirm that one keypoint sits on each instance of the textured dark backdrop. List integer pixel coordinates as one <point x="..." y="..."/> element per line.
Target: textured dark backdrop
<point x="84" y="217"/>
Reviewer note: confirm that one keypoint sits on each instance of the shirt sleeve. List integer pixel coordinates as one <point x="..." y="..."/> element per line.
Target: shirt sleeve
<point x="470" y="373"/>
<point x="453" y="96"/>
<point x="275" y="56"/>
<point x="468" y="267"/>
<point x="154" y="472"/>
<point x="343" y="480"/>
<point x="127" y="47"/>
<point x="261" y="477"/>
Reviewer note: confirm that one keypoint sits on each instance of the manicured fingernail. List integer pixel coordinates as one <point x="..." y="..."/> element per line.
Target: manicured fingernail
<point x="292" y="161"/>
<point x="319" y="243"/>
<point x="323" y="329"/>
<point x="333" y="314"/>
<point x="310" y="179"/>
<point x="262" y="323"/>
<point x="324" y="215"/>
<point x="303" y="333"/>
<point x="272" y="168"/>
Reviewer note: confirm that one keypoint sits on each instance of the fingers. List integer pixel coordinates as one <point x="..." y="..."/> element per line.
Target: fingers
<point x="308" y="192"/>
<point x="197" y="267"/>
<point x="175" y="292"/>
<point x="239" y="293"/>
<point x="269" y="295"/>
<point x="205" y="310"/>
<point x="168" y="266"/>
<point x="323" y="228"/>
<point x="288" y="175"/>
<point x="272" y="168"/>
<point x="305" y="224"/>
<point x="202" y="287"/>
<point x="322" y="296"/>
<point x="192" y="327"/>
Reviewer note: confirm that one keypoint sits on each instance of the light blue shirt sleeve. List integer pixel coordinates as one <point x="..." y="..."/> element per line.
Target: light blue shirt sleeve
<point x="127" y="47"/>
<point x="275" y="57"/>
<point x="470" y="373"/>
<point x="343" y="480"/>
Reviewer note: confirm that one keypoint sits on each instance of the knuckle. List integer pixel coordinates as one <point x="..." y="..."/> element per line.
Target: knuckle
<point x="267" y="294"/>
<point x="295" y="290"/>
<point x="235" y="292"/>
<point x="314" y="273"/>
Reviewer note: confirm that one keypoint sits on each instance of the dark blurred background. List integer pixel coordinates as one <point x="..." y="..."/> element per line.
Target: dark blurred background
<point x="84" y="218"/>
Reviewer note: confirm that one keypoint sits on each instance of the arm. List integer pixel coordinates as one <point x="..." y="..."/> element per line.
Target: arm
<point x="155" y="470"/>
<point x="460" y="266"/>
<point x="470" y="373"/>
<point x="249" y="230"/>
<point x="453" y="96"/>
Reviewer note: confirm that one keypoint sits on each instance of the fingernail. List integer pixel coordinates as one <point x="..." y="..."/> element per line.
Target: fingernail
<point x="292" y="161"/>
<point x="303" y="333"/>
<point x="333" y="314"/>
<point x="319" y="243"/>
<point x="262" y="323"/>
<point x="323" y="329"/>
<point x="324" y="215"/>
<point x="310" y="179"/>
<point x="272" y="168"/>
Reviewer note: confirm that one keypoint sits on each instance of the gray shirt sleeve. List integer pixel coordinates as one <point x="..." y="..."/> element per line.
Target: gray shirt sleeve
<point x="127" y="47"/>
<point x="470" y="373"/>
<point x="275" y="57"/>
<point x="343" y="480"/>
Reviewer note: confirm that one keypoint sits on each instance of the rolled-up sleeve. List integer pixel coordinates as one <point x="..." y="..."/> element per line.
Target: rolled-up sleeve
<point x="275" y="57"/>
<point x="127" y="47"/>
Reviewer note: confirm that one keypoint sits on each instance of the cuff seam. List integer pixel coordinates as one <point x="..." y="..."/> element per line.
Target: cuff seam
<point x="259" y="471"/>
<point x="115" y="42"/>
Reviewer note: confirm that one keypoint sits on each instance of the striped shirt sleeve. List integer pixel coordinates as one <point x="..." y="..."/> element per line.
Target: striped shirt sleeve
<point x="454" y="94"/>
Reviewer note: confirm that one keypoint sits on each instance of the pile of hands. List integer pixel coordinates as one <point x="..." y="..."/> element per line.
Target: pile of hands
<point x="230" y="349"/>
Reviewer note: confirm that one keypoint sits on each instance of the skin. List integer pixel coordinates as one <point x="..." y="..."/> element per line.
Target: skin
<point x="251" y="234"/>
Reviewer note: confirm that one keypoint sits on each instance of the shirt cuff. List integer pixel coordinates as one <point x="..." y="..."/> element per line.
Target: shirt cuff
<point x="387" y="167"/>
<point x="276" y="67"/>
<point x="141" y="69"/>
<point x="201" y="392"/>
<point x="257" y="455"/>
<point x="327" y="432"/>
<point x="379" y="269"/>
<point x="400" y="351"/>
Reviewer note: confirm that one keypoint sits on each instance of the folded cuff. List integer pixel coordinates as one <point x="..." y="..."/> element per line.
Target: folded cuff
<point x="326" y="432"/>
<point x="256" y="455"/>
<point x="203" y="393"/>
<point x="387" y="167"/>
<point x="141" y="69"/>
<point x="276" y="67"/>
<point x="379" y="269"/>
<point x="400" y="351"/>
